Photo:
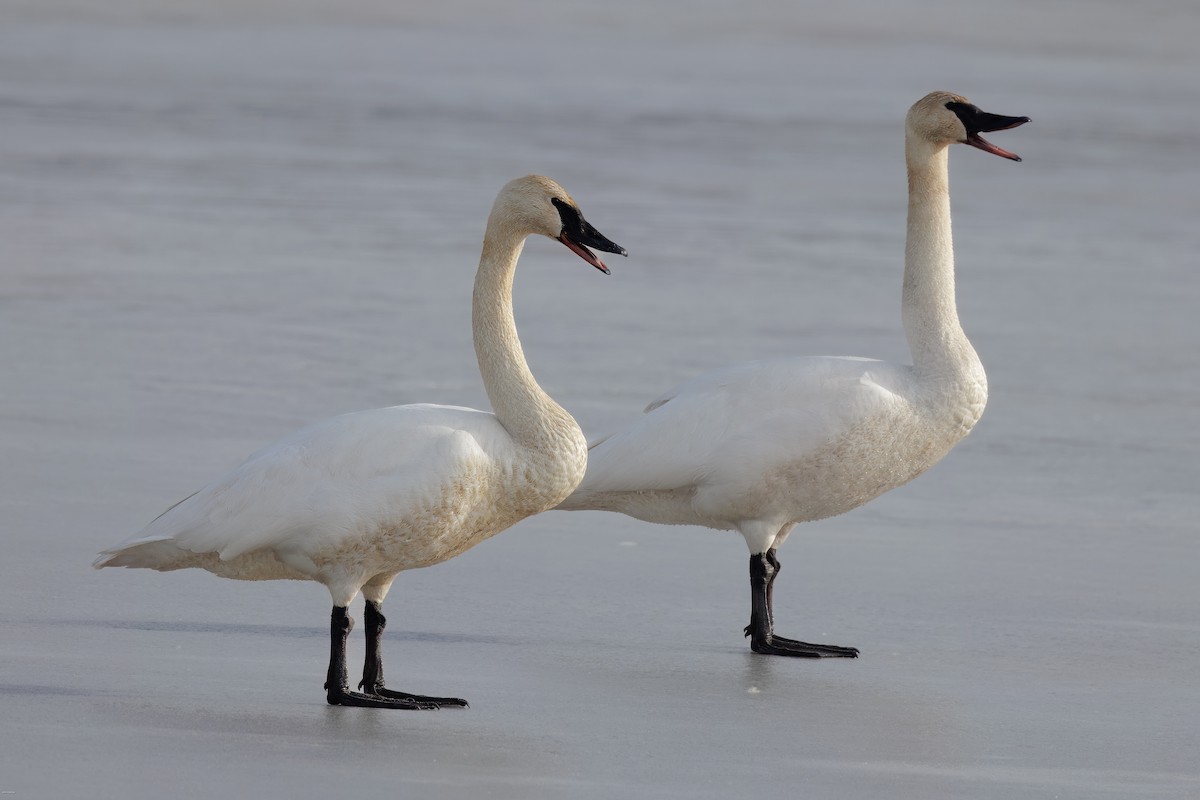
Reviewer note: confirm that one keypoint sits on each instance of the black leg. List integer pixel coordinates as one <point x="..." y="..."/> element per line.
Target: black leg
<point x="763" y="569"/>
<point x="773" y="561"/>
<point x="336" y="691"/>
<point x="771" y="569"/>
<point x="372" y="682"/>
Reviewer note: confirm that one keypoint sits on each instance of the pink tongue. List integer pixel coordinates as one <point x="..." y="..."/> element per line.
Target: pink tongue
<point x="585" y="254"/>
<point x="988" y="147"/>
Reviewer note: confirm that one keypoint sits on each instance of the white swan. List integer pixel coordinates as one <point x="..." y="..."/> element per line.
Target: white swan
<point x="760" y="447"/>
<point x="354" y="500"/>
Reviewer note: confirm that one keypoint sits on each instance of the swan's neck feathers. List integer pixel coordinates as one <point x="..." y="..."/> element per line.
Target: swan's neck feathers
<point x="530" y="415"/>
<point x="939" y="347"/>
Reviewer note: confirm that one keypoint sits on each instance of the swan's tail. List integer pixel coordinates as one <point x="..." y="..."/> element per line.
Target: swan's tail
<point x="159" y="554"/>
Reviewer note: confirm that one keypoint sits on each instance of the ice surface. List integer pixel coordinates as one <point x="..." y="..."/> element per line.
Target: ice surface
<point x="220" y="221"/>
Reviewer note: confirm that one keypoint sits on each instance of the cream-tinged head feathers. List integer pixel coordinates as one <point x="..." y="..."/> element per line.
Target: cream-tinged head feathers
<point x="526" y="204"/>
<point x="931" y="120"/>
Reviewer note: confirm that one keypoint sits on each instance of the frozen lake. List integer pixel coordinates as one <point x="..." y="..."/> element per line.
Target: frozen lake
<point x="220" y="221"/>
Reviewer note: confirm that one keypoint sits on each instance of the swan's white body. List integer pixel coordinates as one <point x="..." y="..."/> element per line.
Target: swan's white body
<point x="760" y="447"/>
<point x="354" y="500"/>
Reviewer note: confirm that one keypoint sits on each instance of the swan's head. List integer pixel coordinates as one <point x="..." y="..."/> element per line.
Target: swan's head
<point x="942" y="118"/>
<point x="536" y="204"/>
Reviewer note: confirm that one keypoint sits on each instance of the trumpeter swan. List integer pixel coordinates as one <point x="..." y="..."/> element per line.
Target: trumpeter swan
<point x="354" y="500"/>
<point x="760" y="447"/>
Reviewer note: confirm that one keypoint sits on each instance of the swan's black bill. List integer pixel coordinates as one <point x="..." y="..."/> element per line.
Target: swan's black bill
<point x="578" y="234"/>
<point x="977" y="122"/>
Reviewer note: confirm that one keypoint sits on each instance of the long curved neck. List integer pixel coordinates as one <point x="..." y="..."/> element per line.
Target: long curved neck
<point x="935" y="337"/>
<point x="527" y="413"/>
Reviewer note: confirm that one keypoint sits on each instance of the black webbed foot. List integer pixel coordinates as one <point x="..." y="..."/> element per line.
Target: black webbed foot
<point x="345" y="697"/>
<point x="773" y="645"/>
<point x="438" y="702"/>
<point x="373" y="683"/>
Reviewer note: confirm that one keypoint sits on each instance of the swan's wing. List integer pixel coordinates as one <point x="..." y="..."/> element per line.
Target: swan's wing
<point x="742" y="418"/>
<point x="331" y="480"/>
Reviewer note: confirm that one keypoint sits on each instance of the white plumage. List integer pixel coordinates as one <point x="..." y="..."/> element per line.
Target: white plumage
<point x="760" y="447"/>
<point x="354" y="500"/>
<point x="342" y="500"/>
<point x="765" y="444"/>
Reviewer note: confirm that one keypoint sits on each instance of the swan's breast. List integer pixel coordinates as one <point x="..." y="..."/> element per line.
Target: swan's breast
<point x="879" y="453"/>
<point x="484" y="494"/>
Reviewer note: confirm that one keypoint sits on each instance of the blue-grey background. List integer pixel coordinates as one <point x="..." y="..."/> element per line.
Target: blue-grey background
<point x="222" y="220"/>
